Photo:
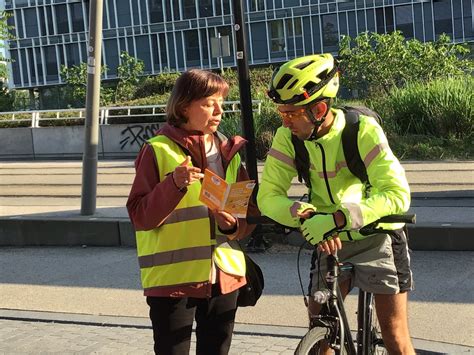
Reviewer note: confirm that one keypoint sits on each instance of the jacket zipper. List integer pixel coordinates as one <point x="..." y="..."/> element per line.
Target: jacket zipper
<point x="325" y="172"/>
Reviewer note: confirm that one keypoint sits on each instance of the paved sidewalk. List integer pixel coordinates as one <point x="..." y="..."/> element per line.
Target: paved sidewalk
<point x="67" y="334"/>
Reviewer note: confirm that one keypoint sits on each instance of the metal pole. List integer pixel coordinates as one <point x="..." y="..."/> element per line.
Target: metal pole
<point x="221" y="53"/>
<point x="91" y="129"/>
<point x="244" y="89"/>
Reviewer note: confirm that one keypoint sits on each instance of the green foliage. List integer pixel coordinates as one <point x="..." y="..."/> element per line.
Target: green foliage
<point x="441" y="108"/>
<point x="423" y="147"/>
<point x="375" y="63"/>
<point x="128" y="72"/>
<point x="6" y="100"/>
<point x="76" y="85"/>
<point x="156" y="85"/>
<point x="5" y="31"/>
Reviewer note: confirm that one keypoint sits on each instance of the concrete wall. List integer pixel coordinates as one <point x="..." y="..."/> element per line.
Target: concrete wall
<point x="67" y="142"/>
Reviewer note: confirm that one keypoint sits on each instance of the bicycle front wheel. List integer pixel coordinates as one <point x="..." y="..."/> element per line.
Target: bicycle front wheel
<point x="309" y="345"/>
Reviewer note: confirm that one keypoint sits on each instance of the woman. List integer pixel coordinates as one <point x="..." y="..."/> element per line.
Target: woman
<point x="191" y="266"/>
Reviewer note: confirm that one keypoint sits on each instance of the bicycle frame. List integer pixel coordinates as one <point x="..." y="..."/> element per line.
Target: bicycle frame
<point x="332" y="315"/>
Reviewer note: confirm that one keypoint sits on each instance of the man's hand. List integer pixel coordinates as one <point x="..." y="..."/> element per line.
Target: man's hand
<point x="224" y="220"/>
<point x="321" y="229"/>
<point x="184" y="174"/>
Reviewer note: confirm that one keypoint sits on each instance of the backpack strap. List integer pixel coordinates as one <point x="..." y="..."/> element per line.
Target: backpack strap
<point x="349" y="145"/>
<point x="301" y="161"/>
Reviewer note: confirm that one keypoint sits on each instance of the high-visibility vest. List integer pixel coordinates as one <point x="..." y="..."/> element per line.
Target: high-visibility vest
<point x="179" y="251"/>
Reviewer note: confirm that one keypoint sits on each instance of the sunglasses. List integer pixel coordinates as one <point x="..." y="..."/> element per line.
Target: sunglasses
<point x="292" y="115"/>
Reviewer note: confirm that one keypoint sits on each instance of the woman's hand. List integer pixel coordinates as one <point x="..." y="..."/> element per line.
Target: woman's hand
<point x="224" y="220"/>
<point x="184" y="174"/>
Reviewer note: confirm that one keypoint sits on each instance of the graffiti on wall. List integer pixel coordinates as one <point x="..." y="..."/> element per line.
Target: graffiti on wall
<point x="137" y="134"/>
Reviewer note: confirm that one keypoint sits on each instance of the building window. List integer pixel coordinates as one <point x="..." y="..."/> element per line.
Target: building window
<point x="77" y="17"/>
<point x="156" y="10"/>
<point x="257" y="5"/>
<point x="384" y="19"/>
<point x="330" y="33"/>
<point x="443" y="17"/>
<point x="189" y="9"/>
<point x="61" y="19"/>
<point x="295" y="36"/>
<point x="51" y="63"/>
<point x="123" y="13"/>
<point x="72" y="54"/>
<point x="15" y="67"/>
<point x="277" y="33"/>
<point x="191" y="41"/>
<point x="205" y="8"/>
<point x="31" y="22"/>
<point x="19" y="24"/>
<point x="404" y="18"/>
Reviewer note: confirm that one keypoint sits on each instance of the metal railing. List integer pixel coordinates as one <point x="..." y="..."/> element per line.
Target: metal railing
<point x="105" y="113"/>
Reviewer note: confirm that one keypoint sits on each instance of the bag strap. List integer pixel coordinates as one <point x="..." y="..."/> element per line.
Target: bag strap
<point x="301" y="161"/>
<point x="350" y="147"/>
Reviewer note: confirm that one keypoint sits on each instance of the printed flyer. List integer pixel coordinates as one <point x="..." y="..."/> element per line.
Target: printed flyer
<point x="217" y="194"/>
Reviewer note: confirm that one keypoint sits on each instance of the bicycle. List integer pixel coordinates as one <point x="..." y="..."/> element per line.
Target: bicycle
<point x="332" y="325"/>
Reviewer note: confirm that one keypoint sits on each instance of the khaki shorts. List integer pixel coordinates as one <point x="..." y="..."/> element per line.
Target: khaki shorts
<point x="381" y="264"/>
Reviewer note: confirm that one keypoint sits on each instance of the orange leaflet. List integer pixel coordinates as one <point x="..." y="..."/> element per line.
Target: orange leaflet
<point x="216" y="193"/>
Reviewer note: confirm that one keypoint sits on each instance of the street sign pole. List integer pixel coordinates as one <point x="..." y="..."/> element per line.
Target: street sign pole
<point x="91" y="129"/>
<point x="244" y="89"/>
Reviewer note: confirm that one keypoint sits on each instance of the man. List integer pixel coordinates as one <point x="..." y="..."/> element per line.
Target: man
<point x="304" y="89"/>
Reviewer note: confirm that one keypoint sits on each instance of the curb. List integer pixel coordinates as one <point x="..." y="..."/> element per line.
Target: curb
<point x="93" y="231"/>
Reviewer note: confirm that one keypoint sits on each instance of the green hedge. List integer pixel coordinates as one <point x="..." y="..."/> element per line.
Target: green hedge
<point x="441" y="108"/>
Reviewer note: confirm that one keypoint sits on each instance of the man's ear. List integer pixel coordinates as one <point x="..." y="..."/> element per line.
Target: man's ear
<point x="320" y="109"/>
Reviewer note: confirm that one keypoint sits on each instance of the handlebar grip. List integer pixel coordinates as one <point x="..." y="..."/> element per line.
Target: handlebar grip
<point x="398" y="218"/>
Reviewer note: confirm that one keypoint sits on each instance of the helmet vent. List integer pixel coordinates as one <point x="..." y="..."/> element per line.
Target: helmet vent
<point x="283" y="81"/>
<point x="292" y="84"/>
<point x="303" y="65"/>
<point x="309" y="86"/>
<point x="323" y="75"/>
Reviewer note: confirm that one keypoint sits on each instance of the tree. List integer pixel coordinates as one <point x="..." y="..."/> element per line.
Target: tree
<point x="375" y="63"/>
<point x="128" y="72"/>
<point x="76" y="80"/>
<point x="6" y="31"/>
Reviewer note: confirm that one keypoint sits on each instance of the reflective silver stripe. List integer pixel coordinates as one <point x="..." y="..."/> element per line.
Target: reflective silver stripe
<point x="374" y="152"/>
<point x="175" y="256"/>
<point x="294" y="208"/>
<point x="332" y="174"/>
<point x="187" y="214"/>
<point x="355" y="214"/>
<point x="282" y="157"/>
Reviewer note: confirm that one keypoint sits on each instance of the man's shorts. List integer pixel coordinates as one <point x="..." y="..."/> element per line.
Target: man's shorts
<point x="381" y="264"/>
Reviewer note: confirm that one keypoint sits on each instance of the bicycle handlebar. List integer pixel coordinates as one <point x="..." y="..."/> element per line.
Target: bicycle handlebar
<point x="394" y="218"/>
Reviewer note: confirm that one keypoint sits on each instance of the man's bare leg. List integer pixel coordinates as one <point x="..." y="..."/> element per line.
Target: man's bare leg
<point x="393" y="318"/>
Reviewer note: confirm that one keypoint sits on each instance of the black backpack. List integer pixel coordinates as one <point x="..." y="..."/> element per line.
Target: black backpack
<point x="349" y="145"/>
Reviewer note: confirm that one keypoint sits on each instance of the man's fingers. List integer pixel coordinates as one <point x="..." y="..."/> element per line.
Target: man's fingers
<point x="186" y="161"/>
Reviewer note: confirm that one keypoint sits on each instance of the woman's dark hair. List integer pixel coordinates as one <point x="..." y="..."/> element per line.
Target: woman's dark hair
<point x="192" y="85"/>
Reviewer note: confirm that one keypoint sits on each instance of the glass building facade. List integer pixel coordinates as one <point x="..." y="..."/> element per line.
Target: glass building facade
<point x="174" y="35"/>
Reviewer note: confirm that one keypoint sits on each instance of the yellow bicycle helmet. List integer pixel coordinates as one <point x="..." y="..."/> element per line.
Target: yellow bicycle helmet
<point x="304" y="80"/>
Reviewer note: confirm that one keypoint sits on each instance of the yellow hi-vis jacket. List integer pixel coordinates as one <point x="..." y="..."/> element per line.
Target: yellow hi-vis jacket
<point x="333" y="186"/>
<point x="179" y="251"/>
